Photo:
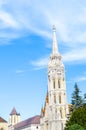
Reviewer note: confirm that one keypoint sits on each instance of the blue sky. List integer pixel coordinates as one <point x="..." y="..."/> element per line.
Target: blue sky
<point x="26" y="44"/>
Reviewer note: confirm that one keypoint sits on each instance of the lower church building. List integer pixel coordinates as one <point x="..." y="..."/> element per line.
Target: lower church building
<point x="15" y="123"/>
<point x="55" y="110"/>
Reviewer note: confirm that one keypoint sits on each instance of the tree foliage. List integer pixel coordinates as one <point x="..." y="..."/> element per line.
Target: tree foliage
<point x="75" y="127"/>
<point x="77" y="100"/>
<point x="77" y="117"/>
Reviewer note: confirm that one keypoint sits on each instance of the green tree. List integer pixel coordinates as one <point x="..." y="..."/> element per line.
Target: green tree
<point x="84" y="100"/>
<point x="76" y="98"/>
<point x="75" y="127"/>
<point x="77" y="117"/>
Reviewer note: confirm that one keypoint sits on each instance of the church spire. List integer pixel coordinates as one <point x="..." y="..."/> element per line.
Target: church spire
<point x="55" y="47"/>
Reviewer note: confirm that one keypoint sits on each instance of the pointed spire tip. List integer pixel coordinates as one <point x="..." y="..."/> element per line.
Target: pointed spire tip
<point x="54" y="28"/>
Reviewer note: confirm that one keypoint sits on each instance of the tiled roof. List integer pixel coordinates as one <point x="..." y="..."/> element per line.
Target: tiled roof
<point x="2" y="120"/>
<point x="14" y="112"/>
<point x="32" y="120"/>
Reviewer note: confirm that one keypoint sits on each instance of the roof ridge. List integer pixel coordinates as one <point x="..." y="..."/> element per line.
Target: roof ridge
<point x="2" y="120"/>
<point x="31" y="120"/>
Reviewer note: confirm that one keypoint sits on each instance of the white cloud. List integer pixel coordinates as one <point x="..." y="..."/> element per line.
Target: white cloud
<point x="81" y="79"/>
<point x="39" y="17"/>
<point x="20" y="16"/>
<point x="40" y="63"/>
<point x="6" y="20"/>
<point x="75" y="56"/>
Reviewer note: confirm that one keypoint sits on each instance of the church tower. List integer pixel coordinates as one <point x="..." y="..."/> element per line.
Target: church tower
<point x="56" y="111"/>
<point x="14" y="117"/>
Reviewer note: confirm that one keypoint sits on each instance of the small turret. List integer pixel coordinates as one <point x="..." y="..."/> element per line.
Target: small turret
<point x="14" y="117"/>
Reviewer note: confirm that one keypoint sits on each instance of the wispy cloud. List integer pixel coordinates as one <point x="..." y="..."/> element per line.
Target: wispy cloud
<point x="76" y="56"/>
<point x="19" y="71"/>
<point x="6" y="20"/>
<point x="81" y="79"/>
<point x="77" y="79"/>
<point x="18" y="17"/>
<point x="40" y="63"/>
<point x="68" y="21"/>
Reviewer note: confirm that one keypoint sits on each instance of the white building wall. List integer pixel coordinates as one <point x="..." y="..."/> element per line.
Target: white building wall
<point x="30" y="127"/>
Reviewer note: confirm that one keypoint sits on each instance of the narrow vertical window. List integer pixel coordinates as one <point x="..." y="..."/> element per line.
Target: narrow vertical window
<point x="61" y="113"/>
<point x="11" y="120"/>
<point x="58" y="83"/>
<point x="14" y="119"/>
<point x="54" y="84"/>
<point x="54" y="98"/>
<point x="56" y="110"/>
<point x="62" y="126"/>
<point x="59" y="98"/>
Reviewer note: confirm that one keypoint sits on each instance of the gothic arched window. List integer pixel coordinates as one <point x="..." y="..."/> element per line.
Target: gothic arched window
<point x="54" y="84"/>
<point x="59" y="98"/>
<point x="61" y="113"/>
<point x="59" y="84"/>
<point x="62" y="126"/>
<point x="54" y="98"/>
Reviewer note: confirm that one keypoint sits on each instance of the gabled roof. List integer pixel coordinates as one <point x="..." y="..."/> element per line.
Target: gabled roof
<point x="14" y="112"/>
<point x="2" y="120"/>
<point x="32" y="120"/>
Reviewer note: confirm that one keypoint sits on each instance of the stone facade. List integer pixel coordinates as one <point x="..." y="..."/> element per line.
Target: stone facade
<point x="54" y="113"/>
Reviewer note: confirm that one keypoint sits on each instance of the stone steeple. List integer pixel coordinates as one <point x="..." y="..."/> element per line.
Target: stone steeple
<point x="57" y="109"/>
<point x="56" y="89"/>
<point x="55" y="46"/>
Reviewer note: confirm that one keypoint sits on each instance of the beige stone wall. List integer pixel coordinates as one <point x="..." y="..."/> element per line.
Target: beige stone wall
<point x="3" y="126"/>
